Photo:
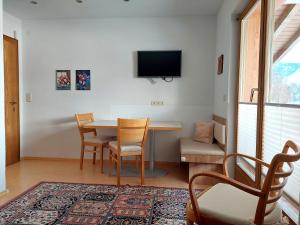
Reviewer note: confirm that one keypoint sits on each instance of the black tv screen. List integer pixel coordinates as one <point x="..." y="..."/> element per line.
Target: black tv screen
<point x="159" y="64"/>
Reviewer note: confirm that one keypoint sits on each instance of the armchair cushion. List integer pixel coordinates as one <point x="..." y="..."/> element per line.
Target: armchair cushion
<point x="234" y="206"/>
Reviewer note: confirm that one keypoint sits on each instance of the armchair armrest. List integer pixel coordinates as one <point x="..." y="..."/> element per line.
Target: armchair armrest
<point x="224" y="179"/>
<point x="235" y="155"/>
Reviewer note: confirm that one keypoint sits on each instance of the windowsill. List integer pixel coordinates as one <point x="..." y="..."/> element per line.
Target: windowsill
<point x="247" y="168"/>
<point x="288" y="206"/>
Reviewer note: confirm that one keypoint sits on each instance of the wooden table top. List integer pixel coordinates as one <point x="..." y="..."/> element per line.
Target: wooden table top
<point x="154" y="125"/>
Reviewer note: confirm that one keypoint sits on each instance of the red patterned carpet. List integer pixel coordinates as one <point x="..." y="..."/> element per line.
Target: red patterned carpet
<point x="63" y="203"/>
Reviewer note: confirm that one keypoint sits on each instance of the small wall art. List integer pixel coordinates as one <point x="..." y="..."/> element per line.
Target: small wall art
<point x="83" y="80"/>
<point x="220" y="64"/>
<point x="63" y="79"/>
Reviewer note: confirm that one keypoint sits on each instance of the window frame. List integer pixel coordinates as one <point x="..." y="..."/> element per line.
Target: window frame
<point x="261" y="82"/>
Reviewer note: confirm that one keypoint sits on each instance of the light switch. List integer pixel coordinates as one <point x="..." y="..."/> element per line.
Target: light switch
<point x="28" y="97"/>
<point x="15" y="34"/>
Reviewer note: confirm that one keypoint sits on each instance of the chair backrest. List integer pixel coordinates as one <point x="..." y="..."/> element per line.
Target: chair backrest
<point x="132" y="131"/>
<point x="280" y="169"/>
<point x="83" y="119"/>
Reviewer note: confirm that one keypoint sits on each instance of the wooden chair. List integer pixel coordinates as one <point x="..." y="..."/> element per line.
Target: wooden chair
<point x="232" y="202"/>
<point x="97" y="142"/>
<point x="132" y="135"/>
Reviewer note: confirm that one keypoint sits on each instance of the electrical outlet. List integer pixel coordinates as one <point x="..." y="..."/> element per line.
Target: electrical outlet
<point x="157" y="103"/>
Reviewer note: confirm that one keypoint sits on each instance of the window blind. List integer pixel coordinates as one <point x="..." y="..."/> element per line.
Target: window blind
<point x="281" y="124"/>
<point x="247" y="120"/>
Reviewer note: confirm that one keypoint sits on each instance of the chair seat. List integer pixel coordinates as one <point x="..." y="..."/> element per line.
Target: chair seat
<point x="234" y="206"/>
<point x="98" y="139"/>
<point x="125" y="148"/>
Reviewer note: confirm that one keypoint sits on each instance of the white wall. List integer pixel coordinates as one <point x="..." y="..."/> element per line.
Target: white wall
<point x="12" y="26"/>
<point x="224" y="45"/>
<point x="107" y="47"/>
<point x="225" y="84"/>
<point x="2" y="126"/>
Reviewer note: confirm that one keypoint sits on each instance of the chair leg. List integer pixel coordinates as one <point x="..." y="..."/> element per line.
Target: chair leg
<point x="118" y="170"/>
<point x="142" y="169"/>
<point x="81" y="156"/>
<point x="137" y="163"/>
<point x="110" y="162"/>
<point x="122" y="164"/>
<point x="189" y="222"/>
<point x="101" y="159"/>
<point x="94" y="155"/>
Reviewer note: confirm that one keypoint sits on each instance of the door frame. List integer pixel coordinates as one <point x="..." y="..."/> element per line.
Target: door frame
<point x="6" y="37"/>
<point x="261" y="86"/>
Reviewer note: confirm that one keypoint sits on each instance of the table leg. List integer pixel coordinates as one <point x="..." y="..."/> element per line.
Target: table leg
<point x="152" y="150"/>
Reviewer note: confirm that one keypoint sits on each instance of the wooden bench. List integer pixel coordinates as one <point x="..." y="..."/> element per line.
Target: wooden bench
<point x="205" y="157"/>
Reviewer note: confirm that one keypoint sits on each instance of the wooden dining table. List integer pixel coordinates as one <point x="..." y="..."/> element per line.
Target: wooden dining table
<point x="153" y="127"/>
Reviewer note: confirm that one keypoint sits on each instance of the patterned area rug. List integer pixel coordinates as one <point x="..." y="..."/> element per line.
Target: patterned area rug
<point x="63" y="203"/>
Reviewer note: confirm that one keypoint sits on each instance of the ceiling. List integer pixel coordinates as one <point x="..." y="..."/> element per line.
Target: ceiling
<point x="287" y="29"/>
<point x="61" y="9"/>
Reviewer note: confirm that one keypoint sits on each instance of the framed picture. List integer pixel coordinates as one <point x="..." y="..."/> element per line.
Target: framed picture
<point x="220" y="64"/>
<point x="63" y="79"/>
<point x="83" y="80"/>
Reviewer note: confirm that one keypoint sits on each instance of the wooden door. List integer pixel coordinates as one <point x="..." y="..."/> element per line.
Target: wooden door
<point x="11" y="82"/>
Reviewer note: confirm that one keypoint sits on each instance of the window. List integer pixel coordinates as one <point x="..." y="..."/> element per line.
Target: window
<point x="285" y="78"/>
<point x="282" y="106"/>
<point x="269" y="117"/>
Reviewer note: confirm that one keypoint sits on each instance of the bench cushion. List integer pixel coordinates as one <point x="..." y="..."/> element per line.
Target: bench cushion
<point x="204" y="132"/>
<point x="190" y="147"/>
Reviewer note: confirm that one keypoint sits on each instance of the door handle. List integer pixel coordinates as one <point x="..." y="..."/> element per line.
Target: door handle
<point x="13" y="103"/>
<point x="253" y="90"/>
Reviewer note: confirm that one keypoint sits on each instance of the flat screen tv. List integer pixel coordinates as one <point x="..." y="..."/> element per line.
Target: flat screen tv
<point x="153" y="64"/>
